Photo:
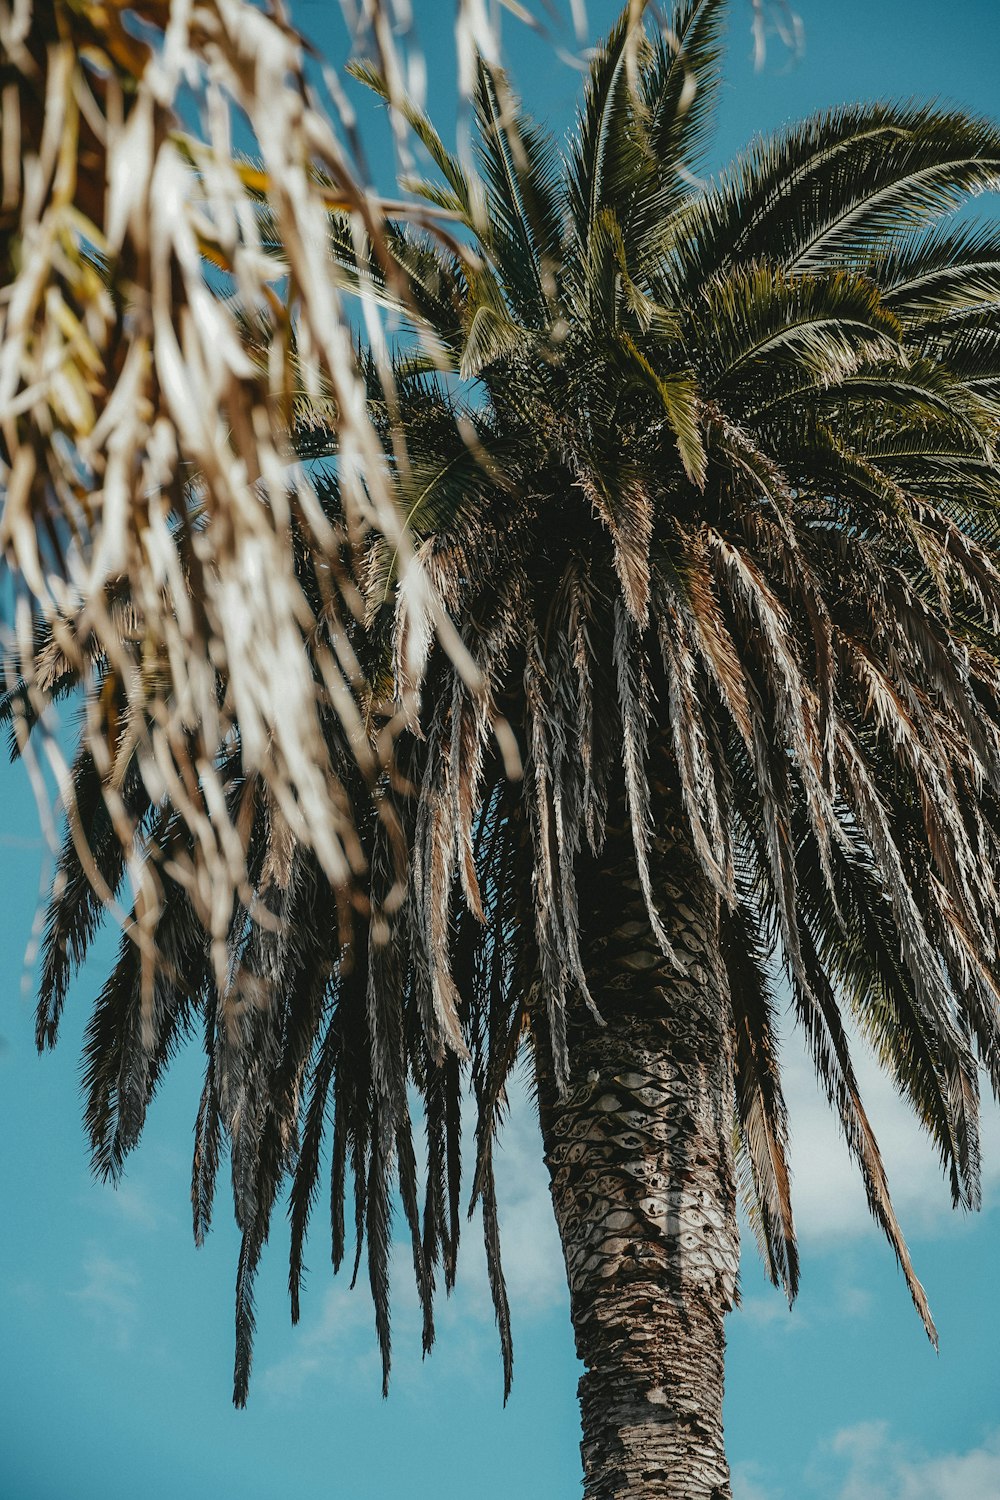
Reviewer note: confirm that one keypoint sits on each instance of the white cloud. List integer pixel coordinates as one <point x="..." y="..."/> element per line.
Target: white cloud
<point x="828" y="1198"/>
<point x="749" y="1484"/>
<point x="879" y="1467"/>
<point x="338" y="1345"/>
<point x="868" y="1462"/>
<point x="770" y="1310"/>
<point x="854" y="1302"/>
<point x="109" y="1296"/>
<point x="338" y="1341"/>
<point x="532" y="1254"/>
<point x="132" y="1203"/>
<point x="844" y="1302"/>
<point x="829" y="1204"/>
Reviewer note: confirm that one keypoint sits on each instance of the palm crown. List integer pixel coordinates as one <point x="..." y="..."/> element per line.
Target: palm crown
<point x="704" y="475"/>
<point x="727" y="522"/>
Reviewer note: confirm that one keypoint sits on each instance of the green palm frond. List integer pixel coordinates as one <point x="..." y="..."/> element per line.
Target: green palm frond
<point x="945" y="270"/>
<point x="755" y="321"/>
<point x="823" y="193"/>
<point x="521" y="169"/>
<point x="492" y="335"/>
<point x="462" y="196"/>
<point x="679" y="91"/>
<point x="608" y="158"/>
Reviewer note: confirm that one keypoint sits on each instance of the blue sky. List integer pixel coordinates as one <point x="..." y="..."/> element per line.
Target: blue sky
<point x="116" y="1333"/>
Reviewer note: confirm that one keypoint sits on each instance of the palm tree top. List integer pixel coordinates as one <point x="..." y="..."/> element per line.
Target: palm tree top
<point x="704" y="476"/>
<point x="747" y="435"/>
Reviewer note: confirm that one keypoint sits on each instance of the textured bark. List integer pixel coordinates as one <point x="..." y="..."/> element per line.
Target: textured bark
<point x="640" y="1161"/>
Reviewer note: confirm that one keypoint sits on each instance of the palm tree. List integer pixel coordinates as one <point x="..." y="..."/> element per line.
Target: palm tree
<point x="705" y="479"/>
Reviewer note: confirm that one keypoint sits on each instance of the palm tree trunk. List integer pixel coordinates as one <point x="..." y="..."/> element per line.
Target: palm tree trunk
<point x="639" y="1152"/>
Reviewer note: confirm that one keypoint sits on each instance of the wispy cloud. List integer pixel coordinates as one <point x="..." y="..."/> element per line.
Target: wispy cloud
<point x="109" y="1296"/>
<point x="868" y="1461"/>
<point x="20" y="841"/>
<point x="338" y="1345"/>
<point x="134" y="1205"/>
<point x="828" y="1197"/>
<point x="749" y="1483"/>
<point x="843" y="1302"/>
<point x="771" y="1311"/>
<point x="532" y="1255"/>
<point x="877" y="1466"/>
<point x="830" y="1210"/>
<point x="337" y="1342"/>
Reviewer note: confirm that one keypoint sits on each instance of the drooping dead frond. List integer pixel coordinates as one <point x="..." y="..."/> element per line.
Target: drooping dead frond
<point x="147" y="433"/>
